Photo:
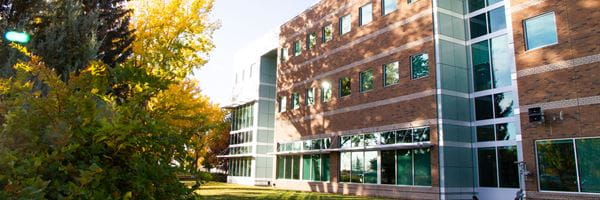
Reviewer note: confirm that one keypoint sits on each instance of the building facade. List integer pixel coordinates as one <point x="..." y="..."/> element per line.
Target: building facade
<point x="440" y="99"/>
<point x="252" y="109"/>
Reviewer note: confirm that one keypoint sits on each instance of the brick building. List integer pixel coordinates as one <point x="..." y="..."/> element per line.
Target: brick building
<point x="431" y="99"/>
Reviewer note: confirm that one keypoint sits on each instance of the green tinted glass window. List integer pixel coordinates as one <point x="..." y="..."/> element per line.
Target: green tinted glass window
<point x="388" y="137"/>
<point x="484" y="108"/>
<point x="296" y="167"/>
<point x="404" y="174"/>
<point x="485" y="133"/>
<point x="366" y="80"/>
<point x="419" y="66"/>
<point x="556" y="164"/>
<point x="588" y="154"/>
<point x="306" y="167"/>
<point x="370" y="175"/>
<point x="475" y="5"/>
<point x="325" y="174"/>
<point x="508" y="171"/>
<point x="316" y="167"/>
<point x="388" y="167"/>
<point x="481" y="66"/>
<point x="487" y="167"/>
<point x="478" y="25"/>
<point x="345" y="86"/>
<point x="422" y="160"/>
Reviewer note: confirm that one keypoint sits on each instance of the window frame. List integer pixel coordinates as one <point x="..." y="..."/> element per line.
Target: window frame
<point x="384" y="73"/>
<point x="340" y="93"/>
<point x="341" y="22"/>
<point x="361" y="21"/>
<point x="525" y="31"/>
<point x="360" y="77"/>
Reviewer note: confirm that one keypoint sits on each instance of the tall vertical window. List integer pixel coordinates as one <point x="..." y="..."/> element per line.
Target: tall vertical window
<point x="326" y="92"/>
<point x="297" y="48"/>
<point x="311" y="41"/>
<point x="242" y="117"/>
<point x="366" y="80"/>
<point x="327" y="33"/>
<point x="391" y="74"/>
<point x="345" y="86"/>
<point x="497" y="167"/>
<point x="295" y="100"/>
<point x="345" y="24"/>
<point x="282" y="104"/>
<point x="389" y="6"/>
<point x="491" y="72"/>
<point x="284" y="53"/>
<point x="541" y="31"/>
<point x="419" y="65"/>
<point x="488" y="22"/>
<point x="310" y="96"/>
<point x="288" y="167"/>
<point x="366" y="14"/>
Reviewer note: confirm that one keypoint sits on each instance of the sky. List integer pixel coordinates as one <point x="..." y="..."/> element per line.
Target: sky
<point x="242" y="21"/>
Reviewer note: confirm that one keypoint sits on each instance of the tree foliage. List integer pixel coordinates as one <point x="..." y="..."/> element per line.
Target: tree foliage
<point x="78" y="139"/>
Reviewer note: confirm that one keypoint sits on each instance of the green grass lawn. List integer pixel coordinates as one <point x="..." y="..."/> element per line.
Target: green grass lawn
<point x="223" y="191"/>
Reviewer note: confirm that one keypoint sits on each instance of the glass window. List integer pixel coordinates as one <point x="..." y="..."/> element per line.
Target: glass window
<point x="371" y="139"/>
<point x="307" y="144"/>
<point x="288" y="167"/>
<point x="366" y="80"/>
<point x="492" y="2"/>
<point x="485" y="133"/>
<point x="282" y="104"/>
<point x="556" y="164"/>
<point x="297" y="48"/>
<point x="306" y="167"/>
<point x="284" y="53"/>
<point x="326" y="92"/>
<point x="358" y="166"/>
<point x="317" y="144"/>
<point x="346" y="141"/>
<point x="370" y="175"/>
<point x="541" y="31"/>
<point x="327" y="33"/>
<point x="296" y="167"/>
<point x="311" y="41"/>
<point x="366" y="14"/>
<point x="357" y="140"/>
<point x="295" y="100"/>
<point x="478" y="25"/>
<point x="422" y="167"/>
<point x="503" y="104"/>
<point x="388" y="167"/>
<point x="391" y="74"/>
<point x="589" y="164"/>
<point x="501" y="64"/>
<point x="388" y="137"/>
<point x="404" y="136"/>
<point x="497" y="19"/>
<point x="316" y="167"/>
<point x="325" y="174"/>
<point x="421" y="135"/>
<point x="345" y="168"/>
<point x="345" y="86"/>
<point x="487" y="167"/>
<point x="345" y="24"/>
<point x="419" y="66"/>
<point x="310" y="96"/>
<point x="389" y="6"/>
<point x="506" y="131"/>
<point x="475" y="5"/>
<point x="484" y="108"/>
<point x="508" y="171"/>
<point x="405" y="167"/>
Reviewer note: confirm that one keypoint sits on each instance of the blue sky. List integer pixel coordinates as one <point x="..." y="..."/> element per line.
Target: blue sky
<point x="242" y="21"/>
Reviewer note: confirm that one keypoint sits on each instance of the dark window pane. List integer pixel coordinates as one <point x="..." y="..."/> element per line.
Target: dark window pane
<point x="404" y="136"/>
<point x="508" y="169"/>
<point x="296" y="167"/>
<point x="405" y="167"/>
<point x="421" y="135"/>
<point x="358" y="167"/>
<point x="481" y="66"/>
<point x="506" y="131"/>
<point x="487" y="167"/>
<point x="484" y="108"/>
<point x="370" y="167"/>
<point x="556" y="163"/>
<point x="326" y="143"/>
<point x="388" y="137"/>
<point x="388" y="167"/>
<point x="485" y="133"/>
<point x="366" y="80"/>
<point x="316" y="167"/>
<point x="317" y="144"/>
<point x="345" y="86"/>
<point x="478" y="26"/>
<point x="306" y="162"/>
<point x="503" y="104"/>
<point x="588" y="156"/>
<point x="288" y="167"/>
<point x="541" y="31"/>
<point x="497" y="19"/>
<point x="345" y="166"/>
<point x="419" y="66"/>
<point x="325" y="175"/>
<point x="422" y="167"/>
<point x="475" y="5"/>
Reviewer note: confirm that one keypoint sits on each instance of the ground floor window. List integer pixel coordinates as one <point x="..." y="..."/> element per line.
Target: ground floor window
<point x="240" y="167"/>
<point x="569" y="165"/>
<point x="497" y="167"/>
<point x="398" y="167"/>
<point x="315" y="167"/>
<point x="288" y="167"/>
